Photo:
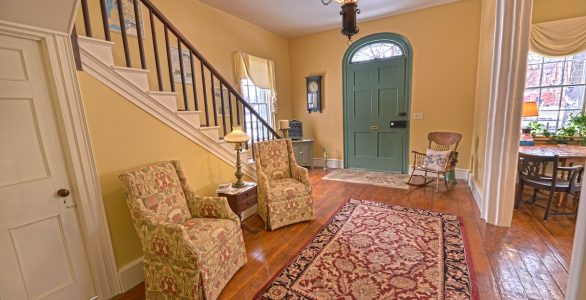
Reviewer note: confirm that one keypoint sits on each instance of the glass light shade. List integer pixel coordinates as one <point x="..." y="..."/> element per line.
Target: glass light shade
<point x="237" y="136"/>
<point x="530" y="109"/>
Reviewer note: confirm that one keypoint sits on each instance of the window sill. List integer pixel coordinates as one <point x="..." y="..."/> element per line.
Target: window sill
<point x="549" y="140"/>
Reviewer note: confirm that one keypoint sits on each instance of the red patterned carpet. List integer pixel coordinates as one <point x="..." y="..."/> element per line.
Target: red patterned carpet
<point x="371" y="250"/>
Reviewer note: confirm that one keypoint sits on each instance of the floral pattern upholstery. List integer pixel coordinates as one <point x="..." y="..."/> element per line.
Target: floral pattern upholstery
<point x="284" y="189"/>
<point x="192" y="245"/>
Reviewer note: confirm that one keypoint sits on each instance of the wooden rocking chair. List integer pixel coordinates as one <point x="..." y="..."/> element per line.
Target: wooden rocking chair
<point x="438" y="141"/>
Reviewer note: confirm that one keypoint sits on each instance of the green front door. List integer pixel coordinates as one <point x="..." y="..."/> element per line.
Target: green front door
<point x="376" y="130"/>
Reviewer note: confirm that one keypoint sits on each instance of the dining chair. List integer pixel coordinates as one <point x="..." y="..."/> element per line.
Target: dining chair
<point x="545" y="173"/>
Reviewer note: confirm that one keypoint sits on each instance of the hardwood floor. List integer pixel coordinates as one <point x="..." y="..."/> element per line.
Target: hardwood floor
<point x="530" y="260"/>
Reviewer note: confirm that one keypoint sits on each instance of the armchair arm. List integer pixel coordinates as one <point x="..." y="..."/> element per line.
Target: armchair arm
<point x="211" y="207"/>
<point x="301" y="174"/>
<point x="167" y="242"/>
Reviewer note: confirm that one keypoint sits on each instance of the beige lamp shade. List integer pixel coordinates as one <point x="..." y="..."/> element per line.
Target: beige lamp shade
<point x="237" y="136"/>
<point x="530" y="109"/>
<point x="283" y="124"/>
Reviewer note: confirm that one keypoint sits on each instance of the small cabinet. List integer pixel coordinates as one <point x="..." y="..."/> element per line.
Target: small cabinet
<point x="303" y="150"/>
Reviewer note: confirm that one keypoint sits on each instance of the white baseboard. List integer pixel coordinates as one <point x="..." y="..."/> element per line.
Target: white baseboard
<point x="460" y="173"/>
<point x="475" y="193"/>
<point x="131" y="274"/>
<point x="332" y="163"/>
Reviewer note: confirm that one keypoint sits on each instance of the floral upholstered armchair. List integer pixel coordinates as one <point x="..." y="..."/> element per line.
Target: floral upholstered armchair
<point x="284" y="189"/>
<point x="192" y="245"/>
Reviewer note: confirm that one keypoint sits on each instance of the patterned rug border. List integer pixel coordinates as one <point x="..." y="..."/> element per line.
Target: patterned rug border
<point x="467" y="254"/>
<point x="405" y="187"/>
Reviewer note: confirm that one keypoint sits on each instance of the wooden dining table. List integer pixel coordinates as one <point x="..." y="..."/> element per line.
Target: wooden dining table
<point x="568" y="154"/>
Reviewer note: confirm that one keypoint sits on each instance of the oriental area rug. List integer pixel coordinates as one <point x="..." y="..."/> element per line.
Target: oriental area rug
<point x="392" y="180"/>
<point x="370" y="250"/>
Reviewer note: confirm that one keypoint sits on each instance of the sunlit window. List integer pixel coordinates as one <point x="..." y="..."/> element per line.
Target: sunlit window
<point x="261" y="101"/>
<point x="374" y="51"/>
<point x="558" y="85"/>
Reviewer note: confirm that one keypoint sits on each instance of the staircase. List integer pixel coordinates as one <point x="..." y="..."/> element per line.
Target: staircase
<point x="189" y="94"/>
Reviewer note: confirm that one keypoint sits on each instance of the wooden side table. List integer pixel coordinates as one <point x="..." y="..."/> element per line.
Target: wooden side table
<point x="242" y="201"/>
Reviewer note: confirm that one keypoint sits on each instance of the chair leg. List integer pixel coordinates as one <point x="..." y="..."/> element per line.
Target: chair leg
<point x="412" y="173"/>
<point x="446" y="180"/>
<point x="437" y="182"/>
<point x="549" y="203"/>
<point x="534" y="198"/>
<point x="519" y="193"/>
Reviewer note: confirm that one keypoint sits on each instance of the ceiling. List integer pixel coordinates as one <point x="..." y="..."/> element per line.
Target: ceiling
<point x="293" y="18"/>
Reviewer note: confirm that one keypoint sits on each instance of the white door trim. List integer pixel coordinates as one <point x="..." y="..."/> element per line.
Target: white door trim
<point x="58" y="55"/>
<point x="509" y="64"/>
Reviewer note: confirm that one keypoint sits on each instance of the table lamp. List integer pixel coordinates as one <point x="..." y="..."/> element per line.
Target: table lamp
<point x="530" y="109"/>
<point x="284" y="127"/>
<point x="237" y="137"/>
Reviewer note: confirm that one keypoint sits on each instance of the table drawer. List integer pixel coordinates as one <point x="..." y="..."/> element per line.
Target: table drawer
<point x="245" y="203"/>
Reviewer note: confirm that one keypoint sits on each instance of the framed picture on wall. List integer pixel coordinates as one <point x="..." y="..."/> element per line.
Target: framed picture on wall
<point x="175" y="64"/>
<point x="218" y="97"/>
<point x="129" y="18"/>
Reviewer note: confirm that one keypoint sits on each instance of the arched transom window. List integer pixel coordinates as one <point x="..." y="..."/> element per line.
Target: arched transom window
<point x="378" y="50"/>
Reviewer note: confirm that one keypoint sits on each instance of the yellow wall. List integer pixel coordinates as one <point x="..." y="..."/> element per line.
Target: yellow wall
<point x="123" y="137"/>
<point x="543" y="11"/>
<point x="482" y="92"/>
<point x="551" y="10"/>
<point x="445" y="51"/>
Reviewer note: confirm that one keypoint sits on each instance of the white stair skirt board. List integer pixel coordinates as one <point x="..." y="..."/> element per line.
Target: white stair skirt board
<point x="190" y="116"/>
<point x="99" y="48"/>
<point x="206" y="137"/>
<point x="212" y="133"/>
<point x="169" y="99"/>
<point x="139" y="77"/>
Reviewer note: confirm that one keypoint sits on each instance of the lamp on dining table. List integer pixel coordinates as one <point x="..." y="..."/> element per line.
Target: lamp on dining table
<point x="530" y="109"/>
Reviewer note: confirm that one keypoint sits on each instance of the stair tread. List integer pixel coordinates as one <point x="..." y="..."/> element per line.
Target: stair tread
<point x="138" y="70"/>
<point x="162" y="93"/>
<point x="95" y="41"/>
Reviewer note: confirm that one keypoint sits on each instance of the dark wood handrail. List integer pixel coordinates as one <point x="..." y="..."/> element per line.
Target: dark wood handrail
<point x="205" y="62"/>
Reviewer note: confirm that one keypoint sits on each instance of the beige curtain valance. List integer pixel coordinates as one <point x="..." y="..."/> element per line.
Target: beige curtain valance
<point x="559" y="38"/>
<point x="259" y="70"/>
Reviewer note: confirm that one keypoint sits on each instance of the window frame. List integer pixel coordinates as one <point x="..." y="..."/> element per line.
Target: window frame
<point x="370" y="44"/>
<point x="246" y="86"/>
<point x="562" y="86"/>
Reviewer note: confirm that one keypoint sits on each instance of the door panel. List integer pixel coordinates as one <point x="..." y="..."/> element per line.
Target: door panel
<point x="376" y="96"/>
<point x="41" y="247"/>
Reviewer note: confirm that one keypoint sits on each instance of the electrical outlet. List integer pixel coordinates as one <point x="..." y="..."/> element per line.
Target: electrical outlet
<point x="417" y="116"/>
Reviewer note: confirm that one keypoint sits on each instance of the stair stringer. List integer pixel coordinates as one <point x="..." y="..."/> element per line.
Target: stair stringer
<point x="108" y="76"/>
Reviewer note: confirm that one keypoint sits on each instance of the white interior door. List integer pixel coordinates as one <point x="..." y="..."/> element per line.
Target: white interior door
<point x="42" y="254"/>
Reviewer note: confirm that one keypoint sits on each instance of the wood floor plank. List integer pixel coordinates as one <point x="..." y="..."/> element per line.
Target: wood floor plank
<point x="528" y="261"/>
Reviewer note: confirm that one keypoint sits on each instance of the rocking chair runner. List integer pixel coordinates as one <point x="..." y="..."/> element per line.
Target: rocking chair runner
<point x="438" y="141"/>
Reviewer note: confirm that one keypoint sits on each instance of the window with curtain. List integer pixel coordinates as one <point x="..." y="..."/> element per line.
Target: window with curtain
<point x="261" y="101"/>
<point x="256" y="77"/>
<point x="556" y="72"/>
<point x="558" y="86"/>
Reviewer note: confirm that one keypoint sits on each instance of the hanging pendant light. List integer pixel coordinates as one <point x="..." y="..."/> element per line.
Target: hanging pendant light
<point x="349" y="12"/>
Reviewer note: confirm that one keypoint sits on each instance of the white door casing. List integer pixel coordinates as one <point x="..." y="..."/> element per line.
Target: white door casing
<point x="62" y="78"/>
<point x="43" y="253"/>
